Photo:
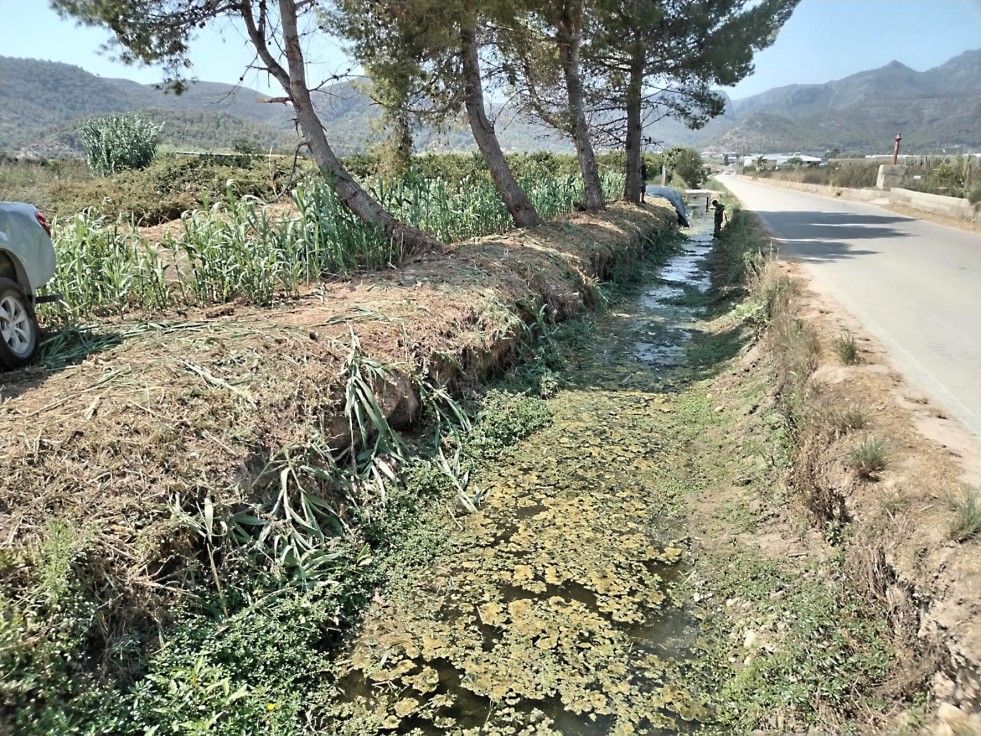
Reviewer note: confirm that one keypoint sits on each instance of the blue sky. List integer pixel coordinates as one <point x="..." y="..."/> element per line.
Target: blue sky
<point x="823" y="40"/>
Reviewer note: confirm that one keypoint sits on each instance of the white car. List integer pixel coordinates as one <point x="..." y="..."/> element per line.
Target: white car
<point x="27" y="262"/>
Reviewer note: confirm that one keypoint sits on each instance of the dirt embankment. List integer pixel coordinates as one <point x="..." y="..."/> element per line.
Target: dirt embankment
<point x="185" y="413"/>
<point x="906" y="515"/>
<point x="877" y="476"/>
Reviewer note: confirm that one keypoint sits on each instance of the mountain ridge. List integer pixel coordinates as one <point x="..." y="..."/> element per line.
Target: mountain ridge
<point x="937" y="108"/>
<point x="42" y="105"/>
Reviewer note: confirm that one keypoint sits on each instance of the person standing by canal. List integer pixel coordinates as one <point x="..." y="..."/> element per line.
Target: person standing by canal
<point x="719" y="209"/>
<point x="643" y="179"/>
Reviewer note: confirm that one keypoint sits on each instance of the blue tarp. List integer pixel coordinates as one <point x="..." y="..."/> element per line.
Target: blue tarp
<point x="674" y="197"/>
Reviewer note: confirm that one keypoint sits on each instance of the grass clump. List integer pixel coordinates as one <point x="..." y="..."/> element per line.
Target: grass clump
<point x="868" y="458"/>
<point x="841" y="420"/>
<point x="966" y="523"/>
<point x="846" y="349"/>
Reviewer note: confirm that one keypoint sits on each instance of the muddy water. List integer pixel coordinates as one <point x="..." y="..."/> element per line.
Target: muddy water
<point x="555" y="612"/>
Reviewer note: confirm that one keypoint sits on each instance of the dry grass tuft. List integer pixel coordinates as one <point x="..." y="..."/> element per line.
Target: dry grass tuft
<point x="846" y="349"/>
<point x="868" y="458"/>
<point x="966" y="523"/>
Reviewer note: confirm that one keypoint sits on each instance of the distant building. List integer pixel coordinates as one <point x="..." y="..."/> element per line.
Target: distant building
<point x="781" y="160"/>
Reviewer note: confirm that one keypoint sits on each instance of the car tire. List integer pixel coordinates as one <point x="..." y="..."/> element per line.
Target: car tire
<point x="18" y="326"/>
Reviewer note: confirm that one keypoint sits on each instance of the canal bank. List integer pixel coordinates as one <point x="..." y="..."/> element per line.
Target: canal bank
<point x="603" y="586"/>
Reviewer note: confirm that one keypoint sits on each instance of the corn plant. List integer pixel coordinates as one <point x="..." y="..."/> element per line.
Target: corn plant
<point x="332" y="241"/>
<point x="119" y="142"/>
<point x="446" y="416"/>
<point x="107" y="268"/>
<point x="233" y="249"/>
<point x="457" y="470"/>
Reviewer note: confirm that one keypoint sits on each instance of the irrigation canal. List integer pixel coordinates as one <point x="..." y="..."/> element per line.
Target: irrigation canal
<point x="556" y="610"/>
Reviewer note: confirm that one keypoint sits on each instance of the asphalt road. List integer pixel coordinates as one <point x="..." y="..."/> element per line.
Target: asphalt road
<point x="914" y="285"/>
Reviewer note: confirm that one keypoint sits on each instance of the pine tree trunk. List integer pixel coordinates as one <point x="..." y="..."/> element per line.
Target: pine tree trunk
<point x="569" y="40"/>
<point x="350" y="193"/>
<point x="519" y="205"/>
<point x="635" y="129"/>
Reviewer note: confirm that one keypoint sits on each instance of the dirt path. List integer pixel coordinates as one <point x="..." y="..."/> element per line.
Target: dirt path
<point x="556" y="610"/>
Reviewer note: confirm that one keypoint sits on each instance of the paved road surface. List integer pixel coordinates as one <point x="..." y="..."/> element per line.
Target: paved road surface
<point x="915" y="285"/>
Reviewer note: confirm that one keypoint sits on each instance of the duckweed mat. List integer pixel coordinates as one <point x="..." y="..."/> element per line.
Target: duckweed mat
<point x="555" y="610"/>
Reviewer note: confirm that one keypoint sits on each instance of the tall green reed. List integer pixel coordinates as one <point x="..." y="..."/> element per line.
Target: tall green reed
<point x="235" y="249"/>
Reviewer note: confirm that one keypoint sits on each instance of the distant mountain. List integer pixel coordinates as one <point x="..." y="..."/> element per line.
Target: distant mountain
<point x="935" y="109"/>
<point x="42" y="105"/>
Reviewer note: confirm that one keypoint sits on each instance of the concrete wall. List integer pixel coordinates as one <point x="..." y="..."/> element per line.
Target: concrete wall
<point x="890" y="176"/>
<point x="953" y="207"/>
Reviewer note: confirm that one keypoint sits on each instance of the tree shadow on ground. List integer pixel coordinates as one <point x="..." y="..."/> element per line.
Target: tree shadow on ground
<point x="827" y="236"/>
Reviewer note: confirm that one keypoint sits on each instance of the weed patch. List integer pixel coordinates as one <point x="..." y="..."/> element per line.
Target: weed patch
<point x="805" y="645"/>
<point x="966" y="523"/>
<point x="868" y="457"/>
<point x="502" y="420"/>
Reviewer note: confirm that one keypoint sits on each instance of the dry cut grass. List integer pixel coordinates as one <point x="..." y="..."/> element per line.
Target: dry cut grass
<point x="213" y="416"/>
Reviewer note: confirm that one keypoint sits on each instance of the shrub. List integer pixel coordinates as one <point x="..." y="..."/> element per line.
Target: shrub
<point x="687" y="163"/>
<point x="119" y="142"/>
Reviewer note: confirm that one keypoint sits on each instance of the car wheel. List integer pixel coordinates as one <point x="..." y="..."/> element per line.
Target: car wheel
<point x="18" y="326"/>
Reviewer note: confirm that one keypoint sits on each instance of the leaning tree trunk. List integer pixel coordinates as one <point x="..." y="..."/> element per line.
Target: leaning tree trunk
<point x="294" y="82"/>
<point x="635" y="129"/>
<point x="519" y="205"/>
<point x="569" y="40"/>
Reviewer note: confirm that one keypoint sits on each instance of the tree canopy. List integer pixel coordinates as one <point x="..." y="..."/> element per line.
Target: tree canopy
<point x="596" y="70"/>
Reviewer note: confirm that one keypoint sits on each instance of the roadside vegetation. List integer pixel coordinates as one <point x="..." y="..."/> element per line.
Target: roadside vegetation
<point x="950" y="176"/>
<point x="256" y="420"/>
<point x="811" y="454"/>
<point x="298" y="468"/>
<point x="791" y="642"/>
